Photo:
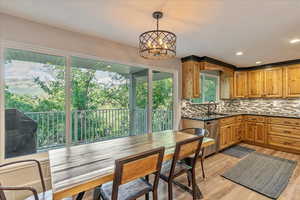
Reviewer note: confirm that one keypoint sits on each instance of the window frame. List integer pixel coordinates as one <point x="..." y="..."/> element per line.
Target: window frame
<point x="205" y="74"/>
<point x="4" y="44"/>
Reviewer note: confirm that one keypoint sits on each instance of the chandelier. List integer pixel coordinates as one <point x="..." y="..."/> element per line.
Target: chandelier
<point x="157" y="44"/>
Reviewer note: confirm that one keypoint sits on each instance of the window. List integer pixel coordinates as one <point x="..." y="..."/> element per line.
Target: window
<point x="162" y="106"/>
<point x="209" y="88"/>
<point x="49" y="102"/>
<point x="108" y="100"/>
<point x="34" y="102"/>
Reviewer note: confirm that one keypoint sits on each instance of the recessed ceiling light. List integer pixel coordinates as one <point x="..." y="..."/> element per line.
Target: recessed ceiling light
<point x="239" y="53"/>
<point x="294" y="40"/>
<point x="258" y="62"/>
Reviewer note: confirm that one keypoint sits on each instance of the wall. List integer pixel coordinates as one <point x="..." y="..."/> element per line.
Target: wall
<point x="21" y="30"/>
<point x="277" y="106"/>
<point x="24" y="31"/>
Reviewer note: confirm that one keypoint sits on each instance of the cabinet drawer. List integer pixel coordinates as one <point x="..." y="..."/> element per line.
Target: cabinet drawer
<point x="284" y="121"/>
<point x="285" y="142"/>
<point x="227" y="120"/>
<point x="287" y="131"/>
<point x="251" y="118"/>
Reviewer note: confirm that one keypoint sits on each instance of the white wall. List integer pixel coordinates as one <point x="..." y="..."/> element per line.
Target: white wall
<point x="28" y="32"/>
<point x="21" y="30"/>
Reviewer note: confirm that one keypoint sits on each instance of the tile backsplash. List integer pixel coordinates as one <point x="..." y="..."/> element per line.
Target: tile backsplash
<point x="282" y="106"/>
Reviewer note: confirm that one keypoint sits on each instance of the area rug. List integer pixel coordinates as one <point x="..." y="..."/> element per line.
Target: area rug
<point x="265" y="174"/>
<point x="238" y="151"/>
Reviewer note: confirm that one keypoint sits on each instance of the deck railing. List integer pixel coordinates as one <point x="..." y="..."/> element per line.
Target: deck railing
<point x="95" y="125"/>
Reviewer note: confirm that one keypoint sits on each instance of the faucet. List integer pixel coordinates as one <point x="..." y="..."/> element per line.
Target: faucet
<point x="209" y="110"/>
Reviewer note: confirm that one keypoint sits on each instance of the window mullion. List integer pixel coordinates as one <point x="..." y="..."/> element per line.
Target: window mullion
<point x="68" y="93"/>
<point x="2" y="100"/>
<point x="150" y="103"/>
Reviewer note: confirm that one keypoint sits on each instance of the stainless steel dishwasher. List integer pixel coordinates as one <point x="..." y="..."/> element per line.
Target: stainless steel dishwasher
<point x="213" y="128"/>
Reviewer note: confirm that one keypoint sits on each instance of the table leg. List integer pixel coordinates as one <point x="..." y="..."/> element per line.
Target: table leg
<point x="80" y="196"/>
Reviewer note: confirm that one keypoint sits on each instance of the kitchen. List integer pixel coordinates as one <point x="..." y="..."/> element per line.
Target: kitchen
<point x="149" y="100"/>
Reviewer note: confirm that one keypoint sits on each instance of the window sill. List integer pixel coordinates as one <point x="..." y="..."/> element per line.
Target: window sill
<point x="42" y="157"/>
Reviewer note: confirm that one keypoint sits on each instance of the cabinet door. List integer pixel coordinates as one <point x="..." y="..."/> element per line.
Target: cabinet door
<point x="225" y="136"/>
<point x="273" y="82"/>
<point x="191" y="80"/>
<point x="260" y="133"/>
<point x="238" y="132"/>
<point x="292" y="81"/>
<point x="255" y="83"/>
<point x="250" y="131"/>
<point x="226" y="86"/>
<point x="240" y="84"/>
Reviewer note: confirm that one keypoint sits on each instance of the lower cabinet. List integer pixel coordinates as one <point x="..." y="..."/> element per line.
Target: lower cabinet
<point x="225" y="136"/>
<point x="283" y="133"/>
<point x="231" y="133"/>
<point x="250" y="131"/>
<point x="239" y="132"/>
<point x="260" y="133"/>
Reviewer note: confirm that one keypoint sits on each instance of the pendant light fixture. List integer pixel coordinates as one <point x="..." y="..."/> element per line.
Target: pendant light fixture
<point x="157" y="44"/>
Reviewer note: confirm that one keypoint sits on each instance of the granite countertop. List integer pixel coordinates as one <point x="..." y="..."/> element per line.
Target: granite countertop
<point x="231" y="114"/>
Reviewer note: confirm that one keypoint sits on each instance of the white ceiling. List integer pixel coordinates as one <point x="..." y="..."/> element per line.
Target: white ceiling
<point x="215" y="28"/>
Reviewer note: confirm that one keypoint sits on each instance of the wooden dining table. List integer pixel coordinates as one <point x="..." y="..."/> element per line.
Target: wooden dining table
<point x="83" y="167"/>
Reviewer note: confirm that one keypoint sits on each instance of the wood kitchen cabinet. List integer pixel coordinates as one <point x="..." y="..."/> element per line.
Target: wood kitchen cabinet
<point x="255" y="83"/>
<point x="250" y="131"/>
<point x="273" y="82"/>
<point x="225" y="136"/>
<point x="291" y="76"/>
<point x="260" y="133"/>
<point x="240" y="84"/>
<point x="191" y="79"/>
<point x="226" y="85"/>
<point x="238" y="132"/>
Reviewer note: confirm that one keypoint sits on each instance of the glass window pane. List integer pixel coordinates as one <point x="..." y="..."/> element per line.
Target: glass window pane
<point x="210" y="88"/>
<point x="34" y="102"/>
<point x="162" y="110"/>
<point x="109" y="100"/>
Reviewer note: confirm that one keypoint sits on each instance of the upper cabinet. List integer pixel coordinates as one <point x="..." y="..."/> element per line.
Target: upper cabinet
<point x="291" y="76"/>
<point x="240" y="84"/>
<point x="255" y="83"/>
<point x="191" y="82"/>
<point x="265" y="83"/>
<point x="191" y="79"/>
<point x="272" y="84"/>
<point x="226" y="85"/>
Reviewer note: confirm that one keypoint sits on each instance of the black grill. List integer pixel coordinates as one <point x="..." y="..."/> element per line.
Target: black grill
<point x="20" y="134"/>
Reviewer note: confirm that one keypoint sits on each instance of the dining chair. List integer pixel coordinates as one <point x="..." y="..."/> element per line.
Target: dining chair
<point x="131" y="176"/>
<point x="176" y="167"/>
<point x="200" y="132"/>
<point x="45" y="195"/>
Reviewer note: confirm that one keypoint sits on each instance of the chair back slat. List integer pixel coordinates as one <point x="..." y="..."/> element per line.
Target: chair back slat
<point x="139" y="168"/>
<point x="188" y="149"/>
<point x="2" y="195"/>
<point x="185" y="149"/>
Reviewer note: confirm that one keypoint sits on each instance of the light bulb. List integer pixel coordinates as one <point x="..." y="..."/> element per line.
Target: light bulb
<point x="160" y="41"/>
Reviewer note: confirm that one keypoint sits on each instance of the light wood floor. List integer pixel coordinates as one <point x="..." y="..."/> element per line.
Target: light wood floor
<point x="215" y="187"/>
